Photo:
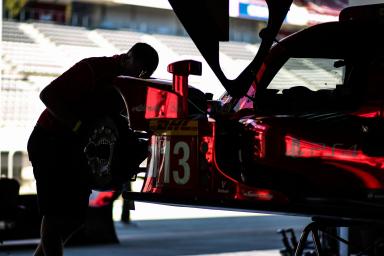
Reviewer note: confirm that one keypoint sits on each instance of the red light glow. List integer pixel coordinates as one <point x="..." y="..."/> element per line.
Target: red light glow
<point x="306" y="149"/>
<point x="368" y="180"/>
<point x="100" y="198"/>
<point x="161" y="104"/>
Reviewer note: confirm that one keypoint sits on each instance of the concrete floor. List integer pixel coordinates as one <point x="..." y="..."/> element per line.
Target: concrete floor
<point x="224" y="236"/>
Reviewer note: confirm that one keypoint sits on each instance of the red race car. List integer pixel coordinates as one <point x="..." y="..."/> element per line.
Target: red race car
<point x="313" y="148"/>
<point x="285" y="138"/>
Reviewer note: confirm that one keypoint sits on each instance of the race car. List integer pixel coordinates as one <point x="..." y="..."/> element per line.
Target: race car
<point x="311" y="148"/>
<point x="299" y="149"/>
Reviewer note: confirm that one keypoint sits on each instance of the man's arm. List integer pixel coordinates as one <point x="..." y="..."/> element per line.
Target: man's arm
<point x="77" y="93"/>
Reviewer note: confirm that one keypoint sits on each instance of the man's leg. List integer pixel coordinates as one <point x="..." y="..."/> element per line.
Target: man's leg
<point x="51" y="239"/>
<point x="55" y="231"/>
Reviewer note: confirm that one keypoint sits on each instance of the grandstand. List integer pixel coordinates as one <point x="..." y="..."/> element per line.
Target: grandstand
<point x="12" y="33"/>
<point x="238" y="50"/>
<point x="120" y="39"/>
<point x="316" y="74"/>
<point x="65" y="35"/>
<point x="180" y="45"/>
<point x="30" y="65"/>
<point x="25" y="58"/>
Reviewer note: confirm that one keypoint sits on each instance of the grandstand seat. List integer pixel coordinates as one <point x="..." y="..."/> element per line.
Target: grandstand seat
<point x="183" y="46"/>
<point x="121" y="39"/>
<point x="312" y="73"/>
<point x="20" y="104"/>
<point x="31" y="58"/>
<point x="65" y="35"/>
<point x="237" y="50"/>
<point x="76" y="53"/>
<point x="12" y="33"/>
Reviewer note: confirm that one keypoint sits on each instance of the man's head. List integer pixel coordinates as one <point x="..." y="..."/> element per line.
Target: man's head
<point x="140" y="61"/>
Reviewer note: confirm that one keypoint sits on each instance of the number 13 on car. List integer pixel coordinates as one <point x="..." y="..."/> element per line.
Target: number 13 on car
<point x="173" y="157"/>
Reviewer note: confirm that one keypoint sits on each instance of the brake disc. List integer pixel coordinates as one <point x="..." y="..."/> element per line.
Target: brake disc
<point x="99" y="153"/>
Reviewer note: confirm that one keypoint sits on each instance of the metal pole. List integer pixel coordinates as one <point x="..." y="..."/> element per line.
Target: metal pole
<point x="11" y="153"/>
<point x="303" y="239"/>
<point x="1" y="166"/>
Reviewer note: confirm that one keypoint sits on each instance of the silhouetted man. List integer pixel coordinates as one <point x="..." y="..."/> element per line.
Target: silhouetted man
<point x="56" y="149"/>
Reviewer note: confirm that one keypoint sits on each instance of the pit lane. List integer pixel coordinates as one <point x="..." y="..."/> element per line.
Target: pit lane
<point x="224" y="235"/>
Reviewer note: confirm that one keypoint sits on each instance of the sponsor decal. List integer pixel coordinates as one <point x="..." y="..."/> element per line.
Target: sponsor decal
<point x="138" y="108"/>
<point x="172" y="127"/>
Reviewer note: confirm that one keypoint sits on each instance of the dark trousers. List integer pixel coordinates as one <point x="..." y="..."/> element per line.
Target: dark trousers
<point x="61" y="173"/>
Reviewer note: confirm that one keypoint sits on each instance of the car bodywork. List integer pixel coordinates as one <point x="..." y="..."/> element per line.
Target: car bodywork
<point x="295" y="151"/>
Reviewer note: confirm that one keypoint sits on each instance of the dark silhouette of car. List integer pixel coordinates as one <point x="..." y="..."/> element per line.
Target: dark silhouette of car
<point x="312" y="146"/>
<point x="299" y="131"/>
